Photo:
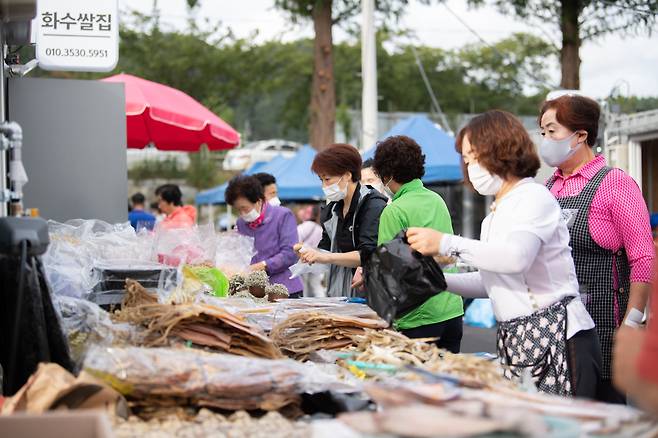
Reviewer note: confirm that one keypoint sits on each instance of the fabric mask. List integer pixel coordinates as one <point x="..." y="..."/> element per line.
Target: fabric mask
<point x="334" y="193"/>
<point x="483" y="181"/>
<point x="252" y="216"/>
<point x="556" y="152"/>
<point x="388" y="192"/>
<point x="275" y="201"/>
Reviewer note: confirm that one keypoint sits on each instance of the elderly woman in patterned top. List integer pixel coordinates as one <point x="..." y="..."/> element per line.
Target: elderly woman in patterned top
<point x="607" y="219"/>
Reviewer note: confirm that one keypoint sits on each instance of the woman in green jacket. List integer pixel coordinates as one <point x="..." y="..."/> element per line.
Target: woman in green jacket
<point x="400" y="164"/>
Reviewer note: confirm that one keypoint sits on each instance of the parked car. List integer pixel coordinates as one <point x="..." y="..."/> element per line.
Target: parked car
<point x="264" y="150"/>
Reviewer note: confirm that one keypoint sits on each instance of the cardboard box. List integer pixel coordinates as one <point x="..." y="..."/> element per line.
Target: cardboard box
<point x="65" y="424"/>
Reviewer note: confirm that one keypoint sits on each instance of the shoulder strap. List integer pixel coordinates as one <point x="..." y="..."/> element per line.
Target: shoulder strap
<point x="589" y="191"/>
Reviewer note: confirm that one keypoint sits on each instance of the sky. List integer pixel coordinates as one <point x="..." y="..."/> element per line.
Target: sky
<point x="629" y="64"/>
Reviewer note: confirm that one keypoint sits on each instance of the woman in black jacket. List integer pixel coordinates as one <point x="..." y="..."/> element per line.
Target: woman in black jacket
<point x="350" y="220"/>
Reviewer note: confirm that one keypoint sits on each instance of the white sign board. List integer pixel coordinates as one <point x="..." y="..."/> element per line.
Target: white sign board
<point x="80" y="35"/>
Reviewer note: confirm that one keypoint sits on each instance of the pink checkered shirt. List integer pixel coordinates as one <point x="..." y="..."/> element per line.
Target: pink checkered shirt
<point x="618" y="215"/>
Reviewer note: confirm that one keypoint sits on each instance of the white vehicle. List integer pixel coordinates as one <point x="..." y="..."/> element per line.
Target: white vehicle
<point x="264" y="150"/>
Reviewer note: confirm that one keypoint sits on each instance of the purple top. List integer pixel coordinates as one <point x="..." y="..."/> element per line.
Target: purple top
<point x="273" y="241"/>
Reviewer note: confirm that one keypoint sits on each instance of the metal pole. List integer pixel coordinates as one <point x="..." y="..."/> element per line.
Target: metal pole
<point x="368" y="75"/>
<point x="3" y="117"/>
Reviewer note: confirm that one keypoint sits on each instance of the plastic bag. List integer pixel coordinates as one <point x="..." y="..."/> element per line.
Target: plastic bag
<point x="85" y="324"/>
<point x="399" y="280"/>
<point x="78" y="245"/>
<point x="212" y="277"/>
<point x="191" y="245"/>
<point x="192" y="376"/>
<point x="480" y="314"/>
<point x="234" y="253"/>
<point x="299" y="269"/>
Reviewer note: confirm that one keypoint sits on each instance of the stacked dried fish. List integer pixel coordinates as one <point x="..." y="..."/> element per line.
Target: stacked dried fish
<point x="304" y="332"/>
<point x="393" y="348"/>
<point x="191" y="377"/>
<point x="201" y="324"/>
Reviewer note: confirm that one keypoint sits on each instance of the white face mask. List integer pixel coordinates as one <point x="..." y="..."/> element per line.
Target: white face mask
<point x="334" y="193"/>
<point x="388" y="192"/>
<point x="251" y="216"/>
<point x="275" y="201"/>
<point x="484" y="182"/>
<point x="556" y="152"/>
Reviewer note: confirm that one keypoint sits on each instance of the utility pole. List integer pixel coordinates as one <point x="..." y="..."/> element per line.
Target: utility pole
<point x="368" y="75"/>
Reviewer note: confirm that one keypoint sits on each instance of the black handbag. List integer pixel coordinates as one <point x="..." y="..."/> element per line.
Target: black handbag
<point x="399" y="279"/>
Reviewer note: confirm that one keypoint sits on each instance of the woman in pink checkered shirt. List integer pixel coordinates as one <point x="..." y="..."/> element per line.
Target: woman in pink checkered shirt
<point x="608" y="222"/>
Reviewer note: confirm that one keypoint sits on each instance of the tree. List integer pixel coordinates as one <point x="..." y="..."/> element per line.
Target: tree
<point x="326" y="13"/>
<point x="582" y="20"/>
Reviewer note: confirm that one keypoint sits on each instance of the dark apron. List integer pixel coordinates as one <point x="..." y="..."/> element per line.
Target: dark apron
<point x="537" y="344"/>
<point x="598" y="269"/>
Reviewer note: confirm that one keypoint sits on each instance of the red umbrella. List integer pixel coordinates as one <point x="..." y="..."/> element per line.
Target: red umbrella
<point x="170" y="119"/>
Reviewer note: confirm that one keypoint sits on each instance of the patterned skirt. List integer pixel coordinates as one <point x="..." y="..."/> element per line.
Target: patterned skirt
<point x="538" y="343"/>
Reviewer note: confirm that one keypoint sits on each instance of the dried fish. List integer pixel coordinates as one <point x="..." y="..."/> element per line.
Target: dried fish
<point x="393" y="348"/>
<point x="191" y="377"/>
<point x="201" y="324"/>
<point x="304" y="332"/>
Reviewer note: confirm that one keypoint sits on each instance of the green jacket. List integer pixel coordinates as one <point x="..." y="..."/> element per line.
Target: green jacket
<point x="415" y="206"/>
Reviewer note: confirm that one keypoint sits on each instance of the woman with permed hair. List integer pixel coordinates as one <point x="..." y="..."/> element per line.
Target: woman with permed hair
<point x="524" y="262"/>
<point x="273" y="228"/>
<point x="400" y="164"/>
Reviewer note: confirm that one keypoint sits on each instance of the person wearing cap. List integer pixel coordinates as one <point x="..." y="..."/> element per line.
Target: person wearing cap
<point x="608" y="223"/>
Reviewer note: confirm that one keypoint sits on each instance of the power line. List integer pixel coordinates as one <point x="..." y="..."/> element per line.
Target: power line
<point x="496" y="51"/>
<point x="430" y="91"/>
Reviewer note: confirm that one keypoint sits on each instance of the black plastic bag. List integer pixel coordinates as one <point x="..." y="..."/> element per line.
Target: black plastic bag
<point x="399" y="279"/>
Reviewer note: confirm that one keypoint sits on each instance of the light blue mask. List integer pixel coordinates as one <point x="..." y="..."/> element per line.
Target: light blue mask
<point x="556" y="152"/>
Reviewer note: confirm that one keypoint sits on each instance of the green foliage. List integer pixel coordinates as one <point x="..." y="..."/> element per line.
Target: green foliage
<point x="151" y="169"/>
<point x="597" y="17"/>
<point x="264" y="89"/>
<point x="633" y="104"/>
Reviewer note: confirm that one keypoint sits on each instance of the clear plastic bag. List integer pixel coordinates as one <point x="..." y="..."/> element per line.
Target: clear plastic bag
<point x="234" y="253"/>
<point x="220" y="380"/>
<point x="85" y="324"/>
<point x="191" y="245"/>
<point x="299" y="269"/>
<point x="78" y="246"/>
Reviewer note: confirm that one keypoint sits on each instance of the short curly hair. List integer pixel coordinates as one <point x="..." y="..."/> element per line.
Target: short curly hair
<point x="501" y="144"/>
<point x="399" y="157"/>
<point x="243" y="186"/>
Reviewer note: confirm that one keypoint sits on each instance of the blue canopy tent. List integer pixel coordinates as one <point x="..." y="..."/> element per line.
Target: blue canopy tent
<point x="294" y="179"/>
<point x="216" y="194"/>
<point x="442" y="162"/>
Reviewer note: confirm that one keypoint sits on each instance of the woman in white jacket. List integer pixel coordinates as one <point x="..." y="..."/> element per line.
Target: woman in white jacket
<point x="524" y="262"/>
